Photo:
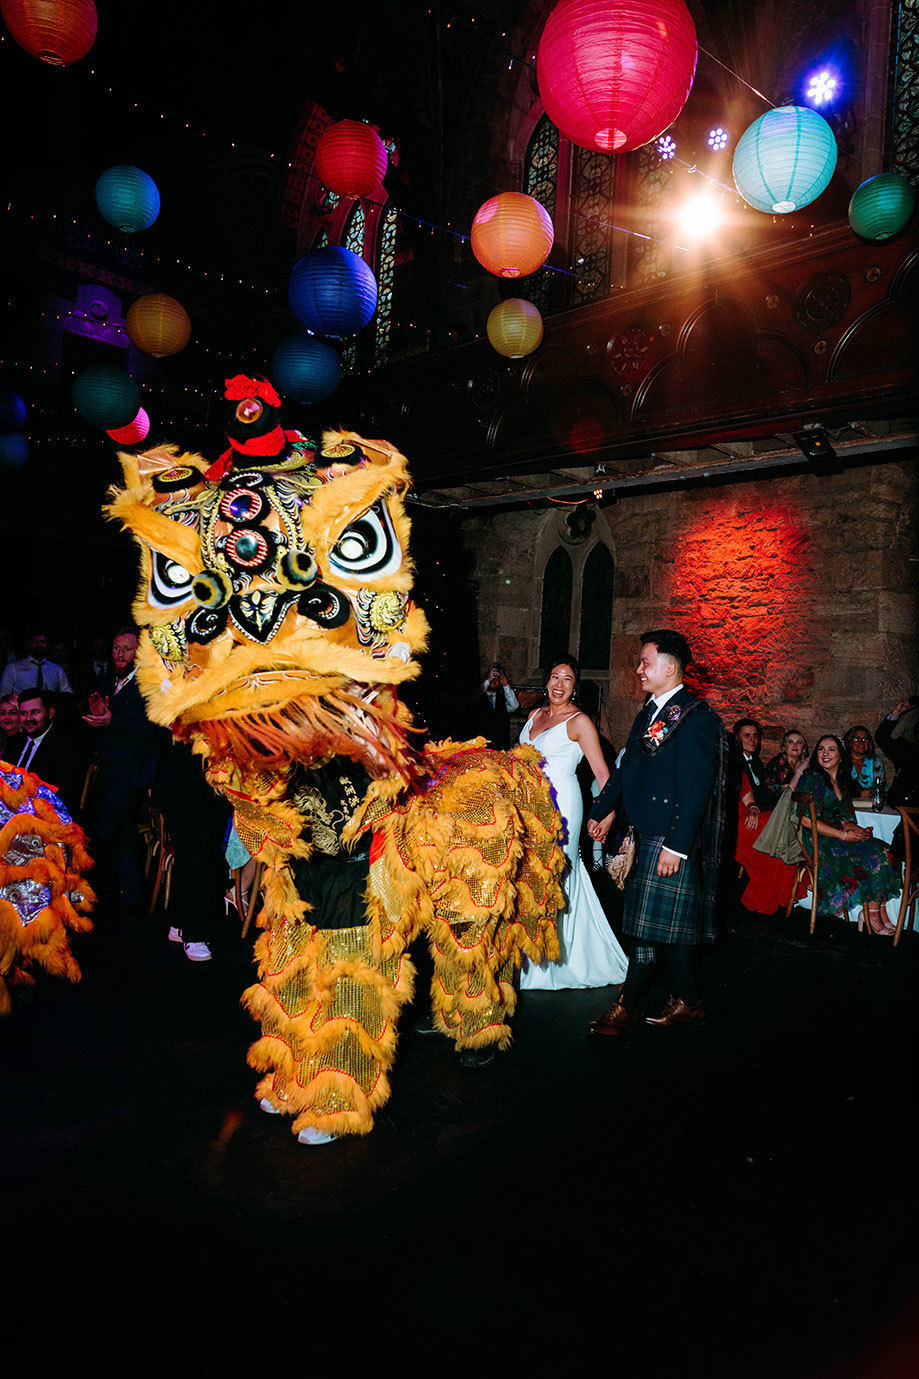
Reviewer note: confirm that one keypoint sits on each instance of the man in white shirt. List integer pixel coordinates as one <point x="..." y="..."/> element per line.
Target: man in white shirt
<point x="34" y="671"/>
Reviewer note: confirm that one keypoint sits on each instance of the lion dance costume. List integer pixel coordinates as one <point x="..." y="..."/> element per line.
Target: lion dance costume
<point x="275" y="597"/>
<point x="42" y="890"/>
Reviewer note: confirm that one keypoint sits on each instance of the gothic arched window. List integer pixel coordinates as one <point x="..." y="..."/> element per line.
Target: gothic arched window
<point x="596" y="609"/>
<point x="555" y="627"/>
<point x="541" y="182"/>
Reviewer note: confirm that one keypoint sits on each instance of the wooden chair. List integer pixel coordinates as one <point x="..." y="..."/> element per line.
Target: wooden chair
<point x="906" y="918"/>
<point x="165" y="856"/>
<point x="809" y="860"/>
<point x="92" y="772"/>
<point x="246" y="903"/>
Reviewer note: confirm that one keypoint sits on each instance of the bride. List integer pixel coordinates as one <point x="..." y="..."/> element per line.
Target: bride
<point x="562" y="734"/>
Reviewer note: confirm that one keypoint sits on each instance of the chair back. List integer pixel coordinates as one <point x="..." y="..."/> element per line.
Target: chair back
<point x="909" y="815"/>
<point x="810" y="856"/>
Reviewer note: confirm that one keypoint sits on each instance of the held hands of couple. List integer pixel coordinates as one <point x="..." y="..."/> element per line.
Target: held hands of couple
<point x="598" y="828"/>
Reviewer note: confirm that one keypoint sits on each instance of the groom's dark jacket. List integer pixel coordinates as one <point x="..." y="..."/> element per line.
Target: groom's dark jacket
<point x="667" y="791"/>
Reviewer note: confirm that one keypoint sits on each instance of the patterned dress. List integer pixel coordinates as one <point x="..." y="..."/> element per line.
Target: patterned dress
<point x="851" y="872"/>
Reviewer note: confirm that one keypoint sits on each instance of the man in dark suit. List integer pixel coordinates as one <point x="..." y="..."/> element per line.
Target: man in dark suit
<point x="47" y="749"/>
<point x="491" y="714"/>
<point x="671" y="783"/>
<point x="127" y="764"/>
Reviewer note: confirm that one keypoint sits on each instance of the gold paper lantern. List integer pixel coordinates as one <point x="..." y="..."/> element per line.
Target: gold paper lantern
<point x="159" y="325"/>
<point x="515" y="328"/>
<point x="512" y="235"/>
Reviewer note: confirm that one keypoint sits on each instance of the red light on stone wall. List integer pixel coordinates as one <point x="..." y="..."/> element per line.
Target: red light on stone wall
<point x="737" y="583"/>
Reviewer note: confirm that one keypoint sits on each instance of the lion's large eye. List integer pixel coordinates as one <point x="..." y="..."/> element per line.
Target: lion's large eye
<point x="170" y="582"/>
<point x="368" y="547"/>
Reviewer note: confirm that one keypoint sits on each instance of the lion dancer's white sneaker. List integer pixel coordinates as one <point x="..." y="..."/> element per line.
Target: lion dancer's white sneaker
<point x="313" y="1136"/>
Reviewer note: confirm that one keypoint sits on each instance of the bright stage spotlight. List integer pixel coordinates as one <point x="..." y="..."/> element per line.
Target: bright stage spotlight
<point x="700" y="215"/>
<point x="823" y="87"/>
<point x="666" y="147"/>
<point x="717" y="138"/>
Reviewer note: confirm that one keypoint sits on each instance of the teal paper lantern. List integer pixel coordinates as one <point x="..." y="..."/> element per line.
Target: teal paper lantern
<point x="785" y="159"/>
<point x="305" y="369"/>
<point x="12" y="410"/>
<point x="881" y="206"/>
<point x="128" y="198"/>
<point x="333" y="291"/>
<point x="14" y="450"/>
<point x="106" y="397"/>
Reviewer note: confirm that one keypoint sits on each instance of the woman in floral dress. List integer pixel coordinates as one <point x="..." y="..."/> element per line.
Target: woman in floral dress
<point x="853" y="864"/>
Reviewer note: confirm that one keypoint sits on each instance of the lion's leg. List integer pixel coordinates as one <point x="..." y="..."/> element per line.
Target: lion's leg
<point x="472" y="993"/>
<point x="328" y="1002"/>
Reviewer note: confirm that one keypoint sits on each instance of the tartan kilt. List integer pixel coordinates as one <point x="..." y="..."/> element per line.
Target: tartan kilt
<point x="662" y="909"/>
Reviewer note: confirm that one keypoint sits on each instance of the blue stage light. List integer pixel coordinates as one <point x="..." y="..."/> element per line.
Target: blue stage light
<point x="717" y="138"/>
<point x="666" y="147"/>
<point x="823" y="87"/>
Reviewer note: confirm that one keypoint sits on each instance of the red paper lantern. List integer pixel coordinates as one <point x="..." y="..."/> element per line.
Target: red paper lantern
<point x="134" y="432"/>
<point x="350" y="158"/>
<point x="57" y="31"/>
<point x="512" y="235"/>
<point x="614" y="74"/>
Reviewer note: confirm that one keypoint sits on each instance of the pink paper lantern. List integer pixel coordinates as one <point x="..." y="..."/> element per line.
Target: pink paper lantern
<point x="512" y="235"/>
<point x="134" y="432"/>
<point x="350" y="158"/>
<point x="614" y="74"/>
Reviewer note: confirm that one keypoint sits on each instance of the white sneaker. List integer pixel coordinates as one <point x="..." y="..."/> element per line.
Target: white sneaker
<point x="198" y="952"/>
<point x="313" y="1136"/>
<point x="174" y="935"/>
<point x="269" y="1108"/>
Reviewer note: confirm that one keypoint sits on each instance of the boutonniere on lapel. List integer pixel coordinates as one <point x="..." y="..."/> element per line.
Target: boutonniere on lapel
<point x="661" y="728"/>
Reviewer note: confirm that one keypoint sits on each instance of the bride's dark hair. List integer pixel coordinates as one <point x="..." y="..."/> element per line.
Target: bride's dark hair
<point x="575" y="669"/>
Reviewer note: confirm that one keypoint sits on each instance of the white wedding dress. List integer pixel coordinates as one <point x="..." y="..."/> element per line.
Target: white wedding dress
<point x="590" y="955"/>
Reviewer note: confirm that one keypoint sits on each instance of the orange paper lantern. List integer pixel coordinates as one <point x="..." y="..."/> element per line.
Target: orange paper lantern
<point x="512" y="235"/>
<point x="350" y="158"/>
<point x="514" y="328"/>
<point x="159" y="325"/>
<point x="56" y="31"/>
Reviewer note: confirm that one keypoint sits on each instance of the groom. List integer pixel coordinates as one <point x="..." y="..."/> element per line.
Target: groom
<point x="671" y="783"/>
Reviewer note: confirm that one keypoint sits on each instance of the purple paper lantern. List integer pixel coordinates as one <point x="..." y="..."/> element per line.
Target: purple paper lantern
<point x="333" y="292"/>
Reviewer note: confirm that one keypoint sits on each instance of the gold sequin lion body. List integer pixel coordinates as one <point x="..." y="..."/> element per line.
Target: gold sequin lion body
<point x="275" y="598"/>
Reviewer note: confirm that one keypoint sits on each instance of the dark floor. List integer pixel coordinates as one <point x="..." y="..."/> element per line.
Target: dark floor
<point x="738" y="1199"/>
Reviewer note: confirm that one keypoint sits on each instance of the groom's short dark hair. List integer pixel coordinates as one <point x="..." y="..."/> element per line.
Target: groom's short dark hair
<point x="670" y="643"/>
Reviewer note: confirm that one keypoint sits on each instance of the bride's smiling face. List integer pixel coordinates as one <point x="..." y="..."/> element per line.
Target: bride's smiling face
<point x="560" y="686"/>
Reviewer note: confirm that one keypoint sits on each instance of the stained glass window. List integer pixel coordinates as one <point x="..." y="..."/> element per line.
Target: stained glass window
<point x="354" y="240"/>
<point x="905" y="102"/>
<point x="541" y="182"/>
<point x="591" y="237"/>
<point x="556" y="607"/>
<point x="650" y="258"/>
<point x="385" y="270"/>
<point x="321" y="241"/>
<point x="596" y="609"/>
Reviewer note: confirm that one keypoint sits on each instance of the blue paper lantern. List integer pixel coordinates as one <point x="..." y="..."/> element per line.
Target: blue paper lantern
<point x="305" y="369"/>
<point x="333" y="292"/>
<point x="14" y="450"/>
<point x="12" y="410"/>
<point x="785" y="159"/>
<point x="881" y="206"/>
<point x="106" y="397"/>
<point x="128" y="198"/>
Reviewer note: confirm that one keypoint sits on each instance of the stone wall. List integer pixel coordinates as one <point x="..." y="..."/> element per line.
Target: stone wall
<point x="799" y="594"/>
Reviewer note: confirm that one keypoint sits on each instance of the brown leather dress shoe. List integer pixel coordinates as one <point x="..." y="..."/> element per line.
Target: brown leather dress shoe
<point x="677" y="1012"/>
<point x="616" y="1020"/>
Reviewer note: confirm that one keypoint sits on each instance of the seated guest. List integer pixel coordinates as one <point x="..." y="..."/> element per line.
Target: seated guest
<point x="52" y="752"/>
<point x="10" y="725"/>
<point x="769" y="880"/>
<point x="127" y="764"/>
<point x="493" y="708"/>
<point x="867" y="767"/>
<point x="786" y="768"/>
<point x="902" y="751"/>
<point x="852" y="865"/>
<point x="34" y="671"/>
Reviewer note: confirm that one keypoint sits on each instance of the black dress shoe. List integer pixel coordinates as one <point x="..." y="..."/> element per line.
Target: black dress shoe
<point x="425" y="1024"/>
<point x="477" y="1058"/>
